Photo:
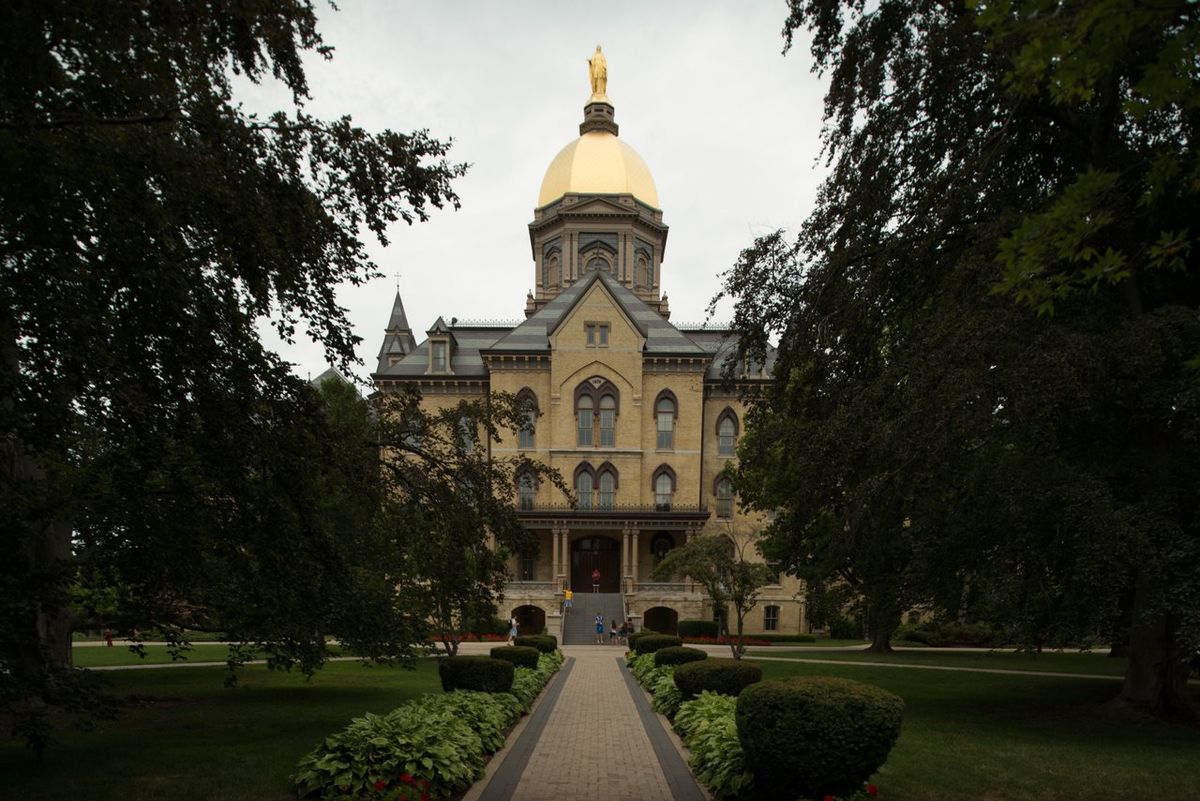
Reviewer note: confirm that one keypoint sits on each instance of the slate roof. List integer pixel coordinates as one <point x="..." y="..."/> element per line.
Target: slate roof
<point x="533" y="336"/>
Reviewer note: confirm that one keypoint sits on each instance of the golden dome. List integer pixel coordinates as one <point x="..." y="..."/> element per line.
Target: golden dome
<point x="598" y="163"/>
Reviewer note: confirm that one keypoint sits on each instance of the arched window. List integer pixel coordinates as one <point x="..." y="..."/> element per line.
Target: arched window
<point x="583" y="420"/>
<point x="724" y="493"/>
<point x="553" y="274"/>
<point x="526" y="491"/>
<point x="664" y="415"/>
<point x="771" y="618"/>
<point x="663" y="484"/>
<point x="526" y="437"/>
<point x="598" y="264"/>
<point x="727" y="431"/>
<point x="583" y="488"/>
<point x="608" y="490"/>
<point x="608" y="421"/>
<point x="643" y="278"/>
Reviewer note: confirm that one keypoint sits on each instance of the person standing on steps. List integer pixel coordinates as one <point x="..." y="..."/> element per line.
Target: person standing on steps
<point x="600" y="629"/>
<point x="568" y="600"/>
<point x="596" y="581"/>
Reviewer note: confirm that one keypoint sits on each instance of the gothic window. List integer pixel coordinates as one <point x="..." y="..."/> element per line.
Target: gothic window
<point x="583" y="416"/>
<point x="664" y="415"/>
<point x="727" y="428"/>
<point x="771" y="618"/>
<point x="583" y="488"/>
<point x="608" y="421"/>
<point x="527" y="436"/>
<point x="643" y="272"/>
<point x="608" y="490"/>
<point x="553" y="273"/>
<point x="526" y="492"/>
<point x="598" y="264"/>
<point x="724" y="498"/>
<point x="663" y="484"/>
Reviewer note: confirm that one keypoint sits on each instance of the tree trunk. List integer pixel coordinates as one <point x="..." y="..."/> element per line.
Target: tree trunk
<point x="881" y="640"/>
<point x="883" y="618"/>
<point x="1156" y="679"/>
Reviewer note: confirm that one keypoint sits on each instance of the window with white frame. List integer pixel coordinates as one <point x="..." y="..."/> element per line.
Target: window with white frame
<point x="526" y="492"/>
<point x="583" y="488"/>
<point x="724" y="498"/>
<point x="583" y="417"/>
<point x="727" y="436"/>
<point x="664" y="413"/>
<point x="771" y="618"/>
<point x="664" y="488"/>
<point x="608" y="490"/>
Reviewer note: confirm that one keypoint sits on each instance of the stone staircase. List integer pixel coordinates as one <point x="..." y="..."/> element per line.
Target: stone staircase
<point x="580" y="626"/>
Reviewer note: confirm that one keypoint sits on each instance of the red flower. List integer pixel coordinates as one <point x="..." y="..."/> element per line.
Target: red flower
<point x="424" y="784"/>
<point x="827" y="798"/>
<point x="425" y="797"/>
<point x="381" y="785"/>
<point x="872" y="790"/>
<point x="406" y="778"/>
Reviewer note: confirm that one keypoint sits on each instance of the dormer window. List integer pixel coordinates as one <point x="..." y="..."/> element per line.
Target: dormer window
<point x="438" y="357"/>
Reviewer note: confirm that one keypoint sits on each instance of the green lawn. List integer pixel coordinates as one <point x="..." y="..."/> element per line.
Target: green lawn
<point x="89" y="656"/>
<point x="1012" y="738"/>
<point x="1093" y="663"/>
<point x="199" y="740"/>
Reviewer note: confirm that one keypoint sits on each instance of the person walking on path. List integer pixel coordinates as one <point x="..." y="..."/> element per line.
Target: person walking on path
<point x="599" y="629"/>
<point x="596" y="580"/>
<point x="512" y="630"/>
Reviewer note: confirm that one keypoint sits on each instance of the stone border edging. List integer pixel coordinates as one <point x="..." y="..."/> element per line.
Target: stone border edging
<point x="682" y="783"/>
<point x="512" y="759"/>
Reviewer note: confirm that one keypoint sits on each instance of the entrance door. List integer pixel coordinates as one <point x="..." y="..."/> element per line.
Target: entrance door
<point x="596" y="553"/>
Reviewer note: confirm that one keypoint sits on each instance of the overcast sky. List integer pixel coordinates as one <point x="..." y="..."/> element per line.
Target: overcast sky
<point x="728" y="126"/>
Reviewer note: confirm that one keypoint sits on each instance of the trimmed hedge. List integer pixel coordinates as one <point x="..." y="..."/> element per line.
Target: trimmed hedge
<point x="785" y="637"/>
<point x="656" y="642"/>
<point x="481" y="673"/>
<point x="724" y="676"/>
<point x="698" y="628"/>
<point x="678" y="655"/>
<point x="633" y="638"/>
<point x="546" y="643"/>
<point x="815" y="735"/>
<point x="519" y="655"/>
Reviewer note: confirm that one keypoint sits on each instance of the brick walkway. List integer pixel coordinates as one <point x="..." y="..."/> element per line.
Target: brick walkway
<point x="594" y="744"/>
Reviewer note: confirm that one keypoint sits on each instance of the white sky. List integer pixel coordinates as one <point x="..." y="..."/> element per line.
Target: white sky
<point x="728" y="126"/>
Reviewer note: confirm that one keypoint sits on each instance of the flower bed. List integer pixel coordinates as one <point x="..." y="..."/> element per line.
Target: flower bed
<point x="725" y="640"/>
<point x="431" y="747"/>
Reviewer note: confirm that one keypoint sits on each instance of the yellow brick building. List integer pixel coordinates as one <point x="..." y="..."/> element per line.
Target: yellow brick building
<point x="632" y="409"/>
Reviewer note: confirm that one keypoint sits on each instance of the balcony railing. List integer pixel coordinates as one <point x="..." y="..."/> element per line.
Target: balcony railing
<point x="616" y="508"/>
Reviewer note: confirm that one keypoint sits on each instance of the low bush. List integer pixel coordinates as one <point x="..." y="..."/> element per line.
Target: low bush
<point x="747" y="639"/>
<point x="708" y="727"/>
<point x="815" y="735"/>
<point x="698" y="628"/>
<point x="481" y="673"/>
<point x="650" y="643"/>
<point x="639" y="665"/>
<point x="487" y="625"/>
<point x="677" y="655"/>
<point x="667" y="697"/>
<point x="528" y="683"/>
<point x="633" y="638"/>
<point x="725" y="676"/>
<point x="773" y="638"/>
<point x="519" y="655"/>
<point x="434" y="746"/>
<point x="488" y="714"/>
<point x="546" y="643"/>
<point x="844" y="628"/>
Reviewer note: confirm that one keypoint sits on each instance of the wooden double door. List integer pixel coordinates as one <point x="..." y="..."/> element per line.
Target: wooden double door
<point x="596" y="552"/>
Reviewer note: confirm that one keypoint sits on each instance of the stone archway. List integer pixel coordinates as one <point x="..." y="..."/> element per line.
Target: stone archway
<point x="662" y="619"/>
<point x="596" y="552"/>
<point x="530" y="619"/>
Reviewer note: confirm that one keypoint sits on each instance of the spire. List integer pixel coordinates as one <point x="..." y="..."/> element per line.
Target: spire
<point x="399" y="320"/>
<point x="398" y="340"/>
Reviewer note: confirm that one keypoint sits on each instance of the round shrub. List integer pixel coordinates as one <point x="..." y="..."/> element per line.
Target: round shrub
<point x="677" y="655"/>
<point x="725" y="676"/>
<point x="815" y="735"/>
<point x="656" y="642"/>
<point x="519" y="655"/>
<point x="481" y="673"/>
<point x="546" y="643"/>
<point x="633" y="638"/>
<point x="698" y="628"/>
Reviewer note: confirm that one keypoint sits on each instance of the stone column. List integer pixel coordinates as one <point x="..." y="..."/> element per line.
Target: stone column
<point x="554" y="560"/>
<point x="635" y="574"/>
<point x="625" y="566"/>
<point x="564" y="551"/>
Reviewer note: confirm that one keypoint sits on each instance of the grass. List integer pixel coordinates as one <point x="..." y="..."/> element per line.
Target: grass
<point x="1093" y="663"/>
<point x="90" y="656"/>
<point x="200" y="740"/>
<point x="1009" y="738"/>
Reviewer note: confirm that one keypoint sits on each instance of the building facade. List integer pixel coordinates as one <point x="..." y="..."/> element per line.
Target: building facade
<point x="632" y="410"/>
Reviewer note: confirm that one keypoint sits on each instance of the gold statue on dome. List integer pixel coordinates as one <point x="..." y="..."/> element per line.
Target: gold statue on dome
<point x="598" y="71"/>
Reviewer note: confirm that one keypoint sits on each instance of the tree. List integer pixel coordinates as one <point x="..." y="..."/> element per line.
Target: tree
<point x="147" y="222"/>
<point x="1027" y="453"/>
<point x="718" y="563"/>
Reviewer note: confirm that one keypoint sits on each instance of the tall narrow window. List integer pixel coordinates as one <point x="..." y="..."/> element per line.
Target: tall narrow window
<point x="526" y="492"/>
<point x="439" y="357"/>
<point x="583" y="413"/>
<point x="771" y="618"/>
<point x="466" y="433"/>
<point x="724" y="498"/>
<point x="525" y="437"/>
<point x="583" y="487"/>
<point x="726" y="437"/>
<point x="608" y="421"/>
<point x="589" y="332"/>
<point x="526" y="566"/>
<point x="664" y="487"/>
<point x="602" y="334"/>
<point x="664" y="411"/>
<point x="608" y="491"/>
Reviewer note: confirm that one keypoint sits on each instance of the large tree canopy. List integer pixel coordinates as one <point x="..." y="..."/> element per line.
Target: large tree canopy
<point x="147" y="224"/>
<point x="984" y="401"/>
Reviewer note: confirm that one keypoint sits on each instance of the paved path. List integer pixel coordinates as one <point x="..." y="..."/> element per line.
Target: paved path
<point x="593" y="743"/>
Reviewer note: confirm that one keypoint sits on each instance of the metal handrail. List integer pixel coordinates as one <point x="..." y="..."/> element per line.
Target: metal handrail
<point x="617" y="507"/>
